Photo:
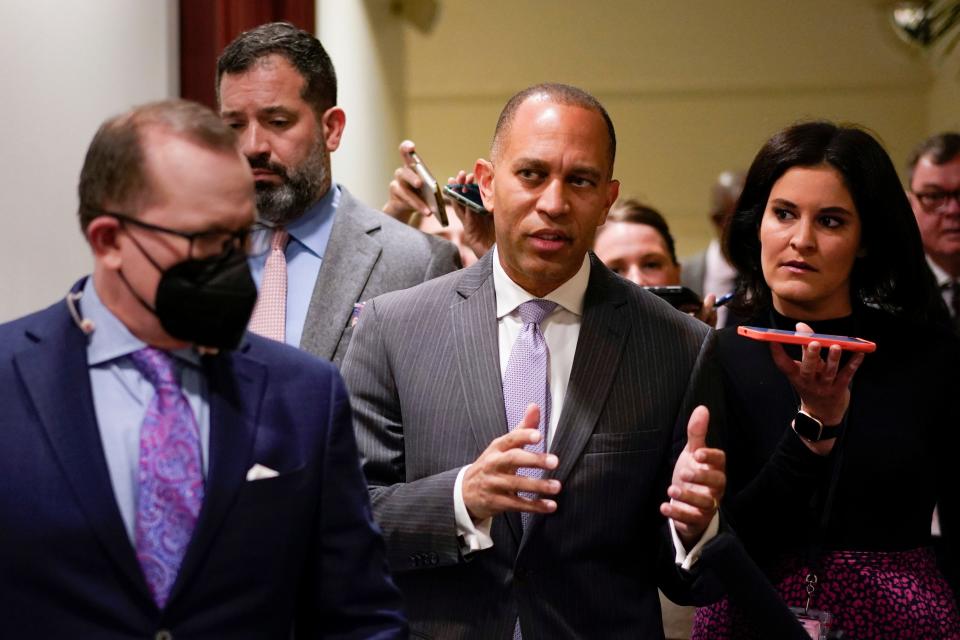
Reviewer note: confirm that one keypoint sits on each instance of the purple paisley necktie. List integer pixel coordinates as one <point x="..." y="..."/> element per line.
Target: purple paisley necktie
<point x="169" y="473"/>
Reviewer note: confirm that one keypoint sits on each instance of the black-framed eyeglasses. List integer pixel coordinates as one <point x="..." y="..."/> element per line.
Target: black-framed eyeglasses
<point x="201" y="244"/>
<point x="935" y="201"/>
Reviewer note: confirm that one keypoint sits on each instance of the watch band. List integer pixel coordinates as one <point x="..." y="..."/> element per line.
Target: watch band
<point x="812" y="429"/>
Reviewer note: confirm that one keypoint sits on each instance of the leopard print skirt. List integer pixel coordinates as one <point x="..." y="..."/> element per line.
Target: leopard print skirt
<point x="872" y="595"/>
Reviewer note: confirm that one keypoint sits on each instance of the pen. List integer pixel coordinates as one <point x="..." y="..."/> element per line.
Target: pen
<point x="722" y="300"/>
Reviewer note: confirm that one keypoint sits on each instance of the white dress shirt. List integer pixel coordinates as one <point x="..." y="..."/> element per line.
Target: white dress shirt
<point x="561" y="329"/>
<point x="944" y="282"/>
<point x="719" y="277"/>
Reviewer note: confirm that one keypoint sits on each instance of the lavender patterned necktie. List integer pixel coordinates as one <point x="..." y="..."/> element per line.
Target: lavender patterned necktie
<point x="170" y="475"/>
<point x="525" y="380"/>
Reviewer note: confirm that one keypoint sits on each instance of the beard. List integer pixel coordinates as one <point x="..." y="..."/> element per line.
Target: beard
<point x="300" y="186"/>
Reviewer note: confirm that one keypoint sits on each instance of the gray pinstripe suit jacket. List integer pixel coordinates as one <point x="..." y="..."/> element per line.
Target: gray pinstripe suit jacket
<point x="368" y="253"/>
<point x="424" y="376"/>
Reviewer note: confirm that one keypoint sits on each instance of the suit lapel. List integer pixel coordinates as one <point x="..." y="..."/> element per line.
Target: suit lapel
<point x="603" y="333"/>
<point x="55" y="374"/>
<point x="349" y="259"/>
<point x="474" y="322"/>
<point x="236" y="386"/>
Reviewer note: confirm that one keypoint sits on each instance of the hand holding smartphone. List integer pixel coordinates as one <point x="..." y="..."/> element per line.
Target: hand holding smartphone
<point x="468" y="195"/>
<point x="846" y="343"/>
<point x="681" y="298"/>
<point x="430" y="190"/>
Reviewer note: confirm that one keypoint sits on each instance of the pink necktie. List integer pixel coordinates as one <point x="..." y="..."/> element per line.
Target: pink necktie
<point x="270" y="315"/>
<point x="170" y="475"/>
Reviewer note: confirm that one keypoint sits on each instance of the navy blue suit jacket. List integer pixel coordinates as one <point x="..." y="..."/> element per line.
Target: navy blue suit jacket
<point x="295" y="553"/>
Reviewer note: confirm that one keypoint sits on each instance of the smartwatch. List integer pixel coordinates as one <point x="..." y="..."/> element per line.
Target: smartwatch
<point x="811" y="429"/>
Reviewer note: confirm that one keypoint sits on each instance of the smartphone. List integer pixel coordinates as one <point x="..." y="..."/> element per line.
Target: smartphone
<point x="681" y="298"/>
<point x="430" y="191"/>
<point x="468" y="195"/>
<point x="792" y="337"/>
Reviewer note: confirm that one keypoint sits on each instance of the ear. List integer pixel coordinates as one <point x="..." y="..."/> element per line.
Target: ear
<point x="103" y="234"/>
<point x="333" y="121"/>
<point x="483" y="171"/>
<point x="613" y="192"/>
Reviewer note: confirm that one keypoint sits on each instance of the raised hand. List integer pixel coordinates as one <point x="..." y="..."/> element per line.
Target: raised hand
<point x="491" y="483"/>
<point x="708" y="313"/>
<point x="404" y="195"/>
<point x="699" y="480"/>
<point x="823" y="387"/>
<point x="478" y="233"/>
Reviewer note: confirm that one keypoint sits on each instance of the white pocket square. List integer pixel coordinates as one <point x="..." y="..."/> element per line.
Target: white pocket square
<point x="260" y="472"/>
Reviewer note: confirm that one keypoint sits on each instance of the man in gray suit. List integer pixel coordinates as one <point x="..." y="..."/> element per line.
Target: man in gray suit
<point x="708" y="272"/>
<point x="277" y="88"/>
<point x="598" y="384"/>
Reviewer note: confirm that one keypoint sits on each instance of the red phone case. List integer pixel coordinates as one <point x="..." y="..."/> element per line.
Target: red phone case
<point x="792" y="337"/>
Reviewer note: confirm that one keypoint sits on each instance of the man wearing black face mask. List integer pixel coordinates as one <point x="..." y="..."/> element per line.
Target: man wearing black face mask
<point x="157" y="482"/>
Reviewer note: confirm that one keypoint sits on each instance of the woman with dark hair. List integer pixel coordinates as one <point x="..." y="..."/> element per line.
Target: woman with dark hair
<point x="835" y="464"/>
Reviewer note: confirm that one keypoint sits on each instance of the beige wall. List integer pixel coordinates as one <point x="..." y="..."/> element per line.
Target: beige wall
<point x="66" y="66"/>
<point x="944" y="100"/>
<point x="694" y="87"/>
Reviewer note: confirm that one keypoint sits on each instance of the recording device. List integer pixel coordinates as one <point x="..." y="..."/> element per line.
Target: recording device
<point x="430" y="191"/>
<point x="794" y="337"/>
<point x="681" y="298"/>
<point x="85" y="324"/>
<point x="468" y="195"/>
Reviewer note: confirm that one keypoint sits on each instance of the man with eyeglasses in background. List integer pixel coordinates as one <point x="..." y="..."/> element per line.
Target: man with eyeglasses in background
<point x="166" y="474"/>
<point x="934" y="172"/>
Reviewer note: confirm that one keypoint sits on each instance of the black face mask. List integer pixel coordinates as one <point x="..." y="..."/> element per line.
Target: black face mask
<point x="206" y="302"/>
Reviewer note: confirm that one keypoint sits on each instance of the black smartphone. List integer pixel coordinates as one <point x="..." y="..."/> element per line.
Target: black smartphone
<point x="681" y="298"/>
<point x="468" y="195"/>
<point x="430" y="191"/>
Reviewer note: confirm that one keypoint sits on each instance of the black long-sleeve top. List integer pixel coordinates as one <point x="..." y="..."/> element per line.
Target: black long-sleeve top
<point x="901" y="449"/>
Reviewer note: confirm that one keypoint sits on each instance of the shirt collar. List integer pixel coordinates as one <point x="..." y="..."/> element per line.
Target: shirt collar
<point x="110" y="338"/>
<point x="943" y="278"/>
<point x="717" y="263"/>
<point x="312" y="229"/>
<point x="510" y="295"/>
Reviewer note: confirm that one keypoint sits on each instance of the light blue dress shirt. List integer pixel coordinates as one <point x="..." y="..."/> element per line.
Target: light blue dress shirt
<point x="309" y="235"/>
<point x="121" y="396"/>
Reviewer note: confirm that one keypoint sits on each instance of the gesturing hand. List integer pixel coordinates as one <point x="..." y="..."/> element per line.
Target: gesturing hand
<point x="823" y="387"/>
<point x="491" y="483"/>
<point x="478" y="233"/>
<point x="404" y="195"/>
<point x="699" y="479"/>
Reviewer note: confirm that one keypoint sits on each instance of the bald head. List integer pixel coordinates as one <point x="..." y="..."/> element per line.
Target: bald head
<point x="560" y="94"/>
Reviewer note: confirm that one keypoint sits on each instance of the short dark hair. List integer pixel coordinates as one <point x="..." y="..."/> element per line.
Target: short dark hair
<point x="632" y="211"/>
<point x="561" y="94"/>
<point x="114" y="171"/>
<point x="301" y="49"/>
<point x="942" y="148"/>
<point x="893" y="274"/>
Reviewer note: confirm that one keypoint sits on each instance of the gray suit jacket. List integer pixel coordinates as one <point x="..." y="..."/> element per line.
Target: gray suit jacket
<point x="369" y="253"/>
<point x="424" y="376"/>
<point x="693" y="272"/>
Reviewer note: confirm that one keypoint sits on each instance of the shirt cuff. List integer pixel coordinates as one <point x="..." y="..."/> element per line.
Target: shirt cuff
<point x="473" y="536"/>
<point x="687" y="559"/>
